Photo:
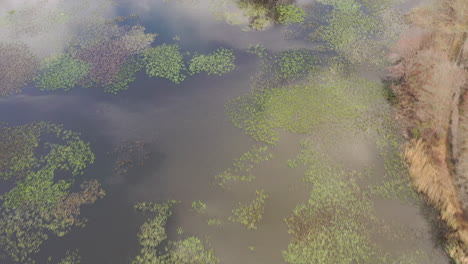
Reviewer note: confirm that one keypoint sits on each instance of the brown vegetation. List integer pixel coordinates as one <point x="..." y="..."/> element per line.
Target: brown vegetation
<point x="429" y="79"/>
<point x="18" y="66"/>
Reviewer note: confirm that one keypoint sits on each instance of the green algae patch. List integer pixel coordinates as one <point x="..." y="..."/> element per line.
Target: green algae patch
<point x="165" y="61"/>
<point x="61" y="73"/>
<point x="330" y="100"/>
<point x="289" y="14"/>
<point x="41" y="202"/>
<point x="219" y="62"/>
<point x="242" y="166"/>
<point x="251" y="213"/>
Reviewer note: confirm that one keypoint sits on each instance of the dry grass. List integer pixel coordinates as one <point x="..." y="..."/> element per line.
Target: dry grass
<point x="429" y="84"/>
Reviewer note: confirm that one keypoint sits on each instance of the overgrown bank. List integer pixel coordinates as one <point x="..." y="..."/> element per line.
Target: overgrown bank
<point x="429" y="79"/>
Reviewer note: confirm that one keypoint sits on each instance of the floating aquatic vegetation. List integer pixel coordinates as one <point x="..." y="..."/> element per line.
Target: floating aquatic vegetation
<point x="18" y="65"/>
<point x="257" y="49"/>
<point x="360" y="31"/>
<point x="180" y="231"/>
<point x="17" y="150"/>
<point x="218" y="62"/>
<point x="190" y="250"/>
<point x="125" y="77"/>
<point x="288" y="14"/>
<point x="250" y="214"/>
<point x="214" y="222"/>
<point x="40" y="205"/>
<point x="61" y="72"/>
<point x="165" y="61"/>
<point x="283" y="68"/>
<point x="330" y="100"/>
<point x="71" y="257"/>
<point x="199" y="207"/>
<point x="242" y="166"/>
<point x="329" y="228"/>
<point x="110" y="51"/>
<point x="153" y="231"/>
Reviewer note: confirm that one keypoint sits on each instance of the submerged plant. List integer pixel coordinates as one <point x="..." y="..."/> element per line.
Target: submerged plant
<point x="250" y="214"/>
<point x="165" y="61"/>
<point x="219" y="62"/>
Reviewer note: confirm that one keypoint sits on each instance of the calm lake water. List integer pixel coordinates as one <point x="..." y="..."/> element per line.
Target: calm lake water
<point x="190" y="140"/>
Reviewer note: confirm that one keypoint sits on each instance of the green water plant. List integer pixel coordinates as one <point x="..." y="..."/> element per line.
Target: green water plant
<point x="153" y="231"/>
<point x="125" y="76"/>
<point x="71" y="257"/>
<point x="199" y="207"/>
<point x="41" y="202"/>
<point x="218" y="62"/>
<point x="330" y="100"/>
<point x="257" y="49"/>
<point x="288" y="14"/>
<point x="61" y="73"/>
<point x="251" y="213"/>
<point x="242" y="166"/>
<point x="214" y="222"/>
<point x="190" y="250"/>
<point x="165" y="61"/>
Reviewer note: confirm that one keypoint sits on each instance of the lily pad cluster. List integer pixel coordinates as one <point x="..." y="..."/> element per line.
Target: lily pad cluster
<point x="61" y="73"/>
<point x="251" y="213"/>
<point x="219" y="62"/>
<point x="153" y="233"/>
<point x="18" y="66"/>
<point x="165" y="61"/>
<point x="41" y="202"/>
